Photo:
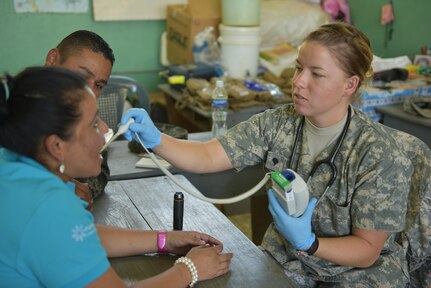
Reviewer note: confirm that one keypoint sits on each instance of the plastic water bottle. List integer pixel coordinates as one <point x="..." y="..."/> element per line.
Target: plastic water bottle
<point x="219" y="109"/>
<point x="199" y="50"/>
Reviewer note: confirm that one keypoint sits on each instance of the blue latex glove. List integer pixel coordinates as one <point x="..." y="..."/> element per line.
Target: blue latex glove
<point x="296" y="230"/>
<point x="147" y="131"/>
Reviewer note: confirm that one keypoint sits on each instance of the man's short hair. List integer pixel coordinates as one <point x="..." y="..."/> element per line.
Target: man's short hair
<point x="83" y="39"/>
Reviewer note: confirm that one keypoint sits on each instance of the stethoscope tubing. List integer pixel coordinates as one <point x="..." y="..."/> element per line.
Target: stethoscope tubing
<point x="330" y="161"/>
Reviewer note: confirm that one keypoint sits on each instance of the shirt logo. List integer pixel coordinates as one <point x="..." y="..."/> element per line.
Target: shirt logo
<point x="79" y="233"/>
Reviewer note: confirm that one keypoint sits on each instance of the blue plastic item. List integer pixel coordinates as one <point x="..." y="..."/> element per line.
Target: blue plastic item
<point x="288" y="175"/>
<point x="254" y="86"/>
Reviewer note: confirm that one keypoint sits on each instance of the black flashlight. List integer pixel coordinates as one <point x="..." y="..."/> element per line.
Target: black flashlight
<point x="178" y="210"/>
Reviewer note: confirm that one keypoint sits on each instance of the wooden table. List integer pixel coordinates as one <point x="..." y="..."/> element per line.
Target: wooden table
<point x="224" y="184"/>
<point x="396" y="117"/>
<point x="147" y="204"/>
<point x="121" y="160"/>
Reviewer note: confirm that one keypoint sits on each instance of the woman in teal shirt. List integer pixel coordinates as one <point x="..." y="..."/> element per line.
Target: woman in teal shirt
<point x="49" y="134"/>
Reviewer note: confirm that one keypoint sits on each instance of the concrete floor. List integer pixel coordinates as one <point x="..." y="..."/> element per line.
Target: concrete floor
<point x="243" y="223"/>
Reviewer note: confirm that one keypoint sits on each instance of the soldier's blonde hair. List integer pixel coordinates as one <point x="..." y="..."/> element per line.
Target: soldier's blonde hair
<point x="349" y="46"/>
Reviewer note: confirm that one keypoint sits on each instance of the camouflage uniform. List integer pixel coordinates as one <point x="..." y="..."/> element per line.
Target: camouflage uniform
<point x="370" y="192"/>
<point x="416" y="236"/>
<point x="96" y="184"/>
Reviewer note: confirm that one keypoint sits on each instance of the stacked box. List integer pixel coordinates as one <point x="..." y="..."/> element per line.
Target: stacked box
<point x="184" y="22"/>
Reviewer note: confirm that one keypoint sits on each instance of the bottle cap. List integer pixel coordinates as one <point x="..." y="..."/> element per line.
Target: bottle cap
<point x="219" y="83"/>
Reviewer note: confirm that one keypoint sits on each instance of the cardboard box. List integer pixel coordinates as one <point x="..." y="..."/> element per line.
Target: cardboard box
<point x="183" y="22"/>
<point x="372" y="98"/>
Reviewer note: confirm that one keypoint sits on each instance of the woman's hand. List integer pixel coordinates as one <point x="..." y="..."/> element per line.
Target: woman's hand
<point x="209" y="261"/>
<point x="180" y="242"/>
<point x="297" y="230"/>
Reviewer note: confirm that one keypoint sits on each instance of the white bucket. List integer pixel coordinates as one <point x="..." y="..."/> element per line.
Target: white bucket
<point x="240" y="50"/>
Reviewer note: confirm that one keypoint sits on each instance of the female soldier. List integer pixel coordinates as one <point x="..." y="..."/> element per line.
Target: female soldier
<point x="50" y="133"/>
<point x="347" y="240"/>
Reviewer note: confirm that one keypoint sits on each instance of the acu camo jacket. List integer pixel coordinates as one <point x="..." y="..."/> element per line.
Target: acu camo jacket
<point x="96" y="184"/>
<point x="370" y="191"/>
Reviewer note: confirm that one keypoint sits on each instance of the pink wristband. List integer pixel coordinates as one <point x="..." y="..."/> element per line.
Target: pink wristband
<point x="161" y="242"/>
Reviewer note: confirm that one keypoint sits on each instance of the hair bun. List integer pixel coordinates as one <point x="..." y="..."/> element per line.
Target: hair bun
<point x="369" y="73"/>
<point x="5" y="87"/>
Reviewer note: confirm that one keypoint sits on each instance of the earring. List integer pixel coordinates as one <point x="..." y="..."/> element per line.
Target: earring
<point x="61" y="168"/>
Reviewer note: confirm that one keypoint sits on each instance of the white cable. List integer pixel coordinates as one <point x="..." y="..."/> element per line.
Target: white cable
<point x="199" y="196"/>
<point x="121" y="130"/>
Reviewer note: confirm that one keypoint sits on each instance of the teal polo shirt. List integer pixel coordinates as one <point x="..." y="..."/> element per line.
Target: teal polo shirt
<point x="47" y="237"/>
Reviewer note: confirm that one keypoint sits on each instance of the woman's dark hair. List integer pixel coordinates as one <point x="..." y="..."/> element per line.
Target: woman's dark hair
<point x="38" y="102"/>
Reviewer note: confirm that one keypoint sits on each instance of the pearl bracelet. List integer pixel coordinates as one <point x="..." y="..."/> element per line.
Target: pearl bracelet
<point x="192" y="268"/>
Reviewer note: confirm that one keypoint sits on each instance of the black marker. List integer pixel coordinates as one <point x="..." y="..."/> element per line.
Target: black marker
<point x="178" y="210"/>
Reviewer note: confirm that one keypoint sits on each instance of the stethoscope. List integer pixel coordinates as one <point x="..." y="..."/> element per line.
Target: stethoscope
<point x="330" y="160"/>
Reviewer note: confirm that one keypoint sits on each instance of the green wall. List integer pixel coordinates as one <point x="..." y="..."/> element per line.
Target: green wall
<point x="25" y="38"/>
<point x="412" y="25"/>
